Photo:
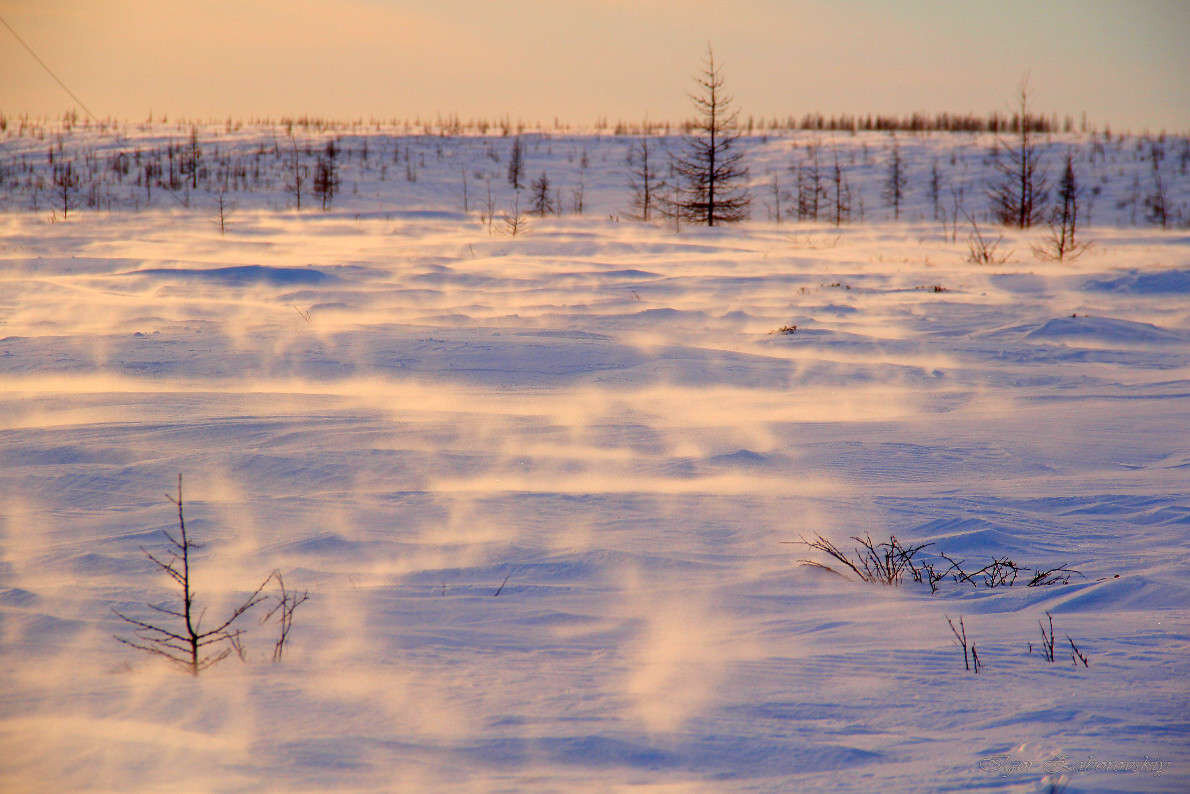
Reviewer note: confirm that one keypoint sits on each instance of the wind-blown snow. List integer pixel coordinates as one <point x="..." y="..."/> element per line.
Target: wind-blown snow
<point x="402" y="411"/>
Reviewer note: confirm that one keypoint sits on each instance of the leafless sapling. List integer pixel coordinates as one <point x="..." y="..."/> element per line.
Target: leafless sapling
<point x="646" y="184"/>
<point x="578" y="198"/>
<point x="66" y="179"/>
<point x="809" y="184"/>
<point x="224" y="208"/>
<point x="1062" y="241"/>
<point x="935" y="188"/>
<point x="187" y="645"/>
<point x="1157" y="202"/>
<point x="842" y="203"/>
<point x="516" y="163"/>
<point x="514" y="222"/>
<point x="895" y="180"/>
<point x="326" y="175"/>
<point x="775" y="186"/>
<point x="297" y="173"/>
<point x="191" y="157"/>
<point x="957" y="210"/>
<point x="489" y="211"/>
<point x="1018" y="190"/>
<point x="543" y="203"/>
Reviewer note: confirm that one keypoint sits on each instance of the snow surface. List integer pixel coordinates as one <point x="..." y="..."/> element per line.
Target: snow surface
<point x="403" y="410"/>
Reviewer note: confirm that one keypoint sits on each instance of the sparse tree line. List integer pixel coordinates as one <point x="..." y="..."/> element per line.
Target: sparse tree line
<point x="453" y="125"/>
<point x="824" y="180"/>
<point x="1022" y="178"/>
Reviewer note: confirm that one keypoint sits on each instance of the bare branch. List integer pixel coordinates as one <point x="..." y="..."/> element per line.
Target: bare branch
<point x="960" y="637"/>
<point x="149" y="626"/>
<point x="252" y="601"/>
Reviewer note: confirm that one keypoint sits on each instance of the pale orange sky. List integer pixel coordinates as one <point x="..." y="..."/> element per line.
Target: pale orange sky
<point x="1125" y="63"/>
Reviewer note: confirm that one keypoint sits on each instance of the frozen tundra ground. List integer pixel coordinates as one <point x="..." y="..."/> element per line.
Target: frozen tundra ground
<point x="407" y="414"/>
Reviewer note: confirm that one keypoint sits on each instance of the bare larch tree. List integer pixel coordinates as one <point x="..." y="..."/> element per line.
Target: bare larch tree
<point x="298" y="173"/>
<point x="895" y="180"/>
<point x="542" y="202"/>
<point x="187" y="645"/>
<point x="842" y="203"/>
<point x="646" y="184"/>
<point x="1018" y="191"/>
<point x="516" y="163"/>
<point x="1062" y="241"/>
<point x="711" y="172"/>
<point x="1157" y="202"/>
<point x="326" y="175"/>
<point x="810" y="188"/>
<point x="66" y="179"/>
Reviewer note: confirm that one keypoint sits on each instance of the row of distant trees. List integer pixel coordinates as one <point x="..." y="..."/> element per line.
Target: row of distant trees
<point x="710" y="179"/>
<point x="683" y="179"/>
<point x="703" y="180"/>
<point x="453" y="125"/>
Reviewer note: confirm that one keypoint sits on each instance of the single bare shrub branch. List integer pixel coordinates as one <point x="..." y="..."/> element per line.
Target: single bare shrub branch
<point x="287" y="602"/>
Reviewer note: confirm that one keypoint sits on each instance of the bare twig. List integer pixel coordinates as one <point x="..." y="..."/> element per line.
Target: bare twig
<point x="1048" y="576"/>
<point x="960" y="637"/>
<point x="1001" y="571"/>
<point x="1047" y="640"/>
<point x="1076" y="655"/>
<point x="959" y="575"/>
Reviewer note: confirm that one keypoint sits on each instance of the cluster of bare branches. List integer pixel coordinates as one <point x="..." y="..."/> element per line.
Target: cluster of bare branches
<point x="1046" y="576"/>
<point x="879" y="563"/>
<point x="326" y="175"/>
<point x="972" y="662"/>
<point x="1062" y="242"/>
<point x="1048" y="646"/>
<point x="514" y="220"/>
<point x="891" y="562"/>
<point x="984" y="250"/>
<point x="287" y="602"/>
<point x="188" y="645"/>
<point x="1003" y="572"/>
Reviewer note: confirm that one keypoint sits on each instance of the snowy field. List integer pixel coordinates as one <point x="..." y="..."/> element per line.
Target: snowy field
<point x="541" y="488"/>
